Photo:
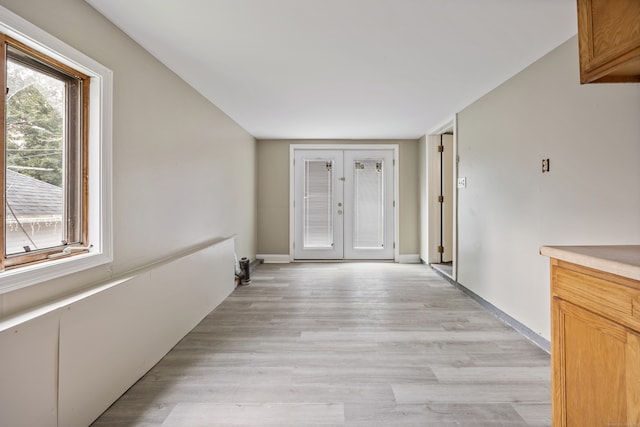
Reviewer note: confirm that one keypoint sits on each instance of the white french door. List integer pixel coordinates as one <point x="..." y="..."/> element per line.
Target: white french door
<point x="343" y="204"/>
<point x="318" y="204"/>
<point x="368" y="194"/>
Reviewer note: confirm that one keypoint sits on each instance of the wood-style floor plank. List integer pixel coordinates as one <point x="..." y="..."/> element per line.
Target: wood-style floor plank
<point x="344" y="344"/>
<point x="267" y="414"/>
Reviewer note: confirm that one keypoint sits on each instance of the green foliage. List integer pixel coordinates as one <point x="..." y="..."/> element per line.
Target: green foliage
<point x="34" y="135"/>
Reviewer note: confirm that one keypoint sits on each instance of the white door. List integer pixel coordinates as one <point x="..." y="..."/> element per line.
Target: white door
<point x="343" y="204"/>
<point x="318" y="204"/>
<point x="368" y="214"/>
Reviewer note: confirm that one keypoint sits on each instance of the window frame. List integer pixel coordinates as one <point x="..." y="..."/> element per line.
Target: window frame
<point x="96" y="158"/>
<point x="76" y="168"/>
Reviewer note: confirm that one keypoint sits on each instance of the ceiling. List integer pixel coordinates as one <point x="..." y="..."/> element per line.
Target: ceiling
<point x="352" y="69"/>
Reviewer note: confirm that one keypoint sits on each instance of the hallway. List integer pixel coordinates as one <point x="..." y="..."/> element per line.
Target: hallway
<point x="344" y="344"/>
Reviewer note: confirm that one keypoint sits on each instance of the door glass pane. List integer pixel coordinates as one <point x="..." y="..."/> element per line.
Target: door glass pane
<point x="318" y="201"/>
<point x="368" y="222"/>
<point x="35" y="118"/>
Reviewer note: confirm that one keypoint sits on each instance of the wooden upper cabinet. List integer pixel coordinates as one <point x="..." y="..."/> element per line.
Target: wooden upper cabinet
<point x="609" y="39"/>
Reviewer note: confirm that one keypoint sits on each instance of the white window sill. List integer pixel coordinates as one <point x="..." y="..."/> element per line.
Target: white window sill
<point x="11" y="280"/>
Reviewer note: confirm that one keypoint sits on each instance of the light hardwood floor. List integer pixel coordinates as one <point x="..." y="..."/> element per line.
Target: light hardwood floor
<point x="344" y="344"/>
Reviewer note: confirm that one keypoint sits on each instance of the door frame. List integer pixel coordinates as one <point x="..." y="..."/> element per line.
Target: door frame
<point x="431" y="218"/>
<point x="396" y="186"/>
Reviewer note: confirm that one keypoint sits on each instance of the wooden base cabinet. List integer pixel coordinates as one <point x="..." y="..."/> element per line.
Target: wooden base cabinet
<point x="595" y="348"/>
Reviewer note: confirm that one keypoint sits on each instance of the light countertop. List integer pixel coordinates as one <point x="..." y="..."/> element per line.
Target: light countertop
<point x="619" y="260"/>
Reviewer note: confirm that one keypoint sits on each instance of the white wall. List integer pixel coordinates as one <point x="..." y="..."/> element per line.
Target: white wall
<point x="183" y="175"/>
<point x="509" y="209"/>
<point x="183" y="171"/>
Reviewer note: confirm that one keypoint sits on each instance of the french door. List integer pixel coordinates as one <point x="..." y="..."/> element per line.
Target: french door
<point x="343" y="204"/>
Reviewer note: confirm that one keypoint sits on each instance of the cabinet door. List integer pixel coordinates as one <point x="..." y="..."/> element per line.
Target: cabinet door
<point x="596" y="369"/>
<point x="609" y="38"/>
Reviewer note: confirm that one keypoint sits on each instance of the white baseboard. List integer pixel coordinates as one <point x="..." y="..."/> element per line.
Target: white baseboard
<point x="284" y="259"/>
<point x="409" y="259"/>
<point x="273" y="259"/>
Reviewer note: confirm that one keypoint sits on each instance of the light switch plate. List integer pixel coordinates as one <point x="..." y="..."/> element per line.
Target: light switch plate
<point x="462" y="182"/>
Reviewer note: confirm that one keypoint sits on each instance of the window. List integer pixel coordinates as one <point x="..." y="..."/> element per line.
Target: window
<point x="56" y="163"/>
<point x="45" y="170"/>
